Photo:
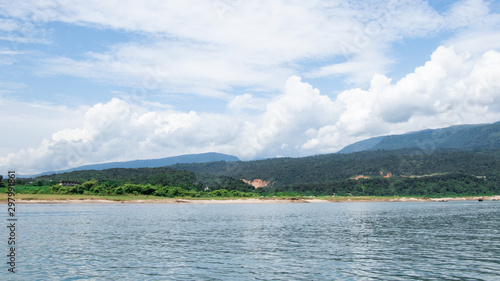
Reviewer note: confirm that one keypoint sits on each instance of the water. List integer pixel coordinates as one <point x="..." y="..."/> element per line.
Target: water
<point x="321" y="241"/>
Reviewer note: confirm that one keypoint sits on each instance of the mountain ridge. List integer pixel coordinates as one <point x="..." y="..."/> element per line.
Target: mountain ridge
<point x="462" y="137"/>
<point x="448" y="161"/>
<point x="150" y="163"/>
<point x="474" y="138"/>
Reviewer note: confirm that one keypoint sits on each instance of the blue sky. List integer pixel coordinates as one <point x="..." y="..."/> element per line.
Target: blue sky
<point x="96" y="82"/>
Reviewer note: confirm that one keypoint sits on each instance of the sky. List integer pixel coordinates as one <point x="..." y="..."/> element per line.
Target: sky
<point x="84" y="82"/>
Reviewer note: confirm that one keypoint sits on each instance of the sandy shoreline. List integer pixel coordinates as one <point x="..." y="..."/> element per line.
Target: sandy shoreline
<point x="172" y="201"/>
<point x="248" y="200"/>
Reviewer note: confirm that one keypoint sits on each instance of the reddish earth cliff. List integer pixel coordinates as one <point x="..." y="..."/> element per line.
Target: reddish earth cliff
<point x="257" y="182"/>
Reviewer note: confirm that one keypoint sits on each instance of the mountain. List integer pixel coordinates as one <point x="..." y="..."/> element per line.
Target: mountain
<point x="339" y="167"/>
<point x="484" y="137"/>
<point x="468" y="149"/>
<point x="404" y="172"/>
<point x="459" y="160"/>
<point x="154" y="163"/>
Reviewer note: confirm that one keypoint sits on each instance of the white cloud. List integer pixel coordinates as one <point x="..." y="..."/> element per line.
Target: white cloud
<point x="8" y="25"/>
<point x="476" y="41"/>
<point x="358" y="70"/>
<point x="466" y="13"/>
<point x="246" y="101"/>
<point x="9" y="87"/>
<point x="170" y="67"/>
<point x="452" y="88"/>
<point x="286" y="120"/>
<point x="210" y="47"/>
<point x="449" y="89"/>
<point x="217" y="48"/>
<point x="478" y="29"/>
<point x="26" y="123"/>
<point x="18" y="31"/>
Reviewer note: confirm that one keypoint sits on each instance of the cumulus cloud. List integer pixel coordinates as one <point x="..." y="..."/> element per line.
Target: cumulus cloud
<point x="256" y="49"/>
<point x="283" y="126"/>
<point x="26" y="123"/>
<point x="210" y="47"/>
<point x="451" y="88"/>
<point x="115" y="130"/>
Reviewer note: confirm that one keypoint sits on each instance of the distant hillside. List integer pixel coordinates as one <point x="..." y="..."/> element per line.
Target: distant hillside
<point x="153" y="163"/>
<point x="339" y="167"/>
<point x="403" y="172"/>
<point x="108" y="180"/>
<point x="459" y="160"/>
<point x="485" y="137"/>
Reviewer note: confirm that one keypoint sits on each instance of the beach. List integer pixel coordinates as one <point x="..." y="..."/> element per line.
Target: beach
<point x="266" y="200"/>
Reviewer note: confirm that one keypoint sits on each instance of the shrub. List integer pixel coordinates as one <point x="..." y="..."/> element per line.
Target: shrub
<point x="119" y="190"/>
<point x="220" y="193"/>
<point x="161" y="192"/>
<point x="147" y="189"/>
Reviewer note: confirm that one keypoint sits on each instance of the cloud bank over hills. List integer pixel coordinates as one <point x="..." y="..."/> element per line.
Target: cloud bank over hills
<point x="102" y="81"/>
<point x="451" y="88"/>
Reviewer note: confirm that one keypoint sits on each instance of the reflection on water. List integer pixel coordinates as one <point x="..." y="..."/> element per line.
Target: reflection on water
<point x="396" y="241"/>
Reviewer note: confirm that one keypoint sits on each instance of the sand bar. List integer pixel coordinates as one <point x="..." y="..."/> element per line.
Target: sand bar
<point x="246" y="200"/>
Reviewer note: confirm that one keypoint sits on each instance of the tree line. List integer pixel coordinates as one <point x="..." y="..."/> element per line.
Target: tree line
<point x="339" y="167"/>
<point x="429" y="186"/>
<point x="454" y="173"/>
<point x="165" y="182"/>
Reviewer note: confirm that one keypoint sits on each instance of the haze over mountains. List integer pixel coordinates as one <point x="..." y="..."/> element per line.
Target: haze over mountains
<point x="472" y="150"/>
<point x="474" y="138"/>
<point x="453" y="160"/>
<point x="154" y="163"/>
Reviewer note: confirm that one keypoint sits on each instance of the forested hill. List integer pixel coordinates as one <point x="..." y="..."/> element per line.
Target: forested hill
<point x="153" y="163"/>
<point x="404" y="172"/>
<point x="460" y="160"/>
<point x="160" y="176"/>
<point x="338" y="167"/>
<point x="484" y="137"/>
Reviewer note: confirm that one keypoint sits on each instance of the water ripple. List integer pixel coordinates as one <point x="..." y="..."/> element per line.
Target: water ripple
<point x="356" y="241"/>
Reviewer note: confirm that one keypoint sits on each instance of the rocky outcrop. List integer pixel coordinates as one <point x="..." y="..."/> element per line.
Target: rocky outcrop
<point x="257" y="183"/>
<point x="359" y="177"/>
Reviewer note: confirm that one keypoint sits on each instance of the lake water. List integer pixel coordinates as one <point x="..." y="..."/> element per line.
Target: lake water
<point x="289" y="241"/>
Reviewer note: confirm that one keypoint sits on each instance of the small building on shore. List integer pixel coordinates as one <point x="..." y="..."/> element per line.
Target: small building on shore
<point x="69" y="183"/>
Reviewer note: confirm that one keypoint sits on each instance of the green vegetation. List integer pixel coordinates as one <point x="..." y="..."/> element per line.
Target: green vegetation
<point x="339" y="167"/>
<point x="161" y="182"/>
<point x="484" y="137"/>
<point x="92" y="187"/>
<point x="448" y="173"/>
<point x="440" y="173"/>
<point x="450" y="185"/>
